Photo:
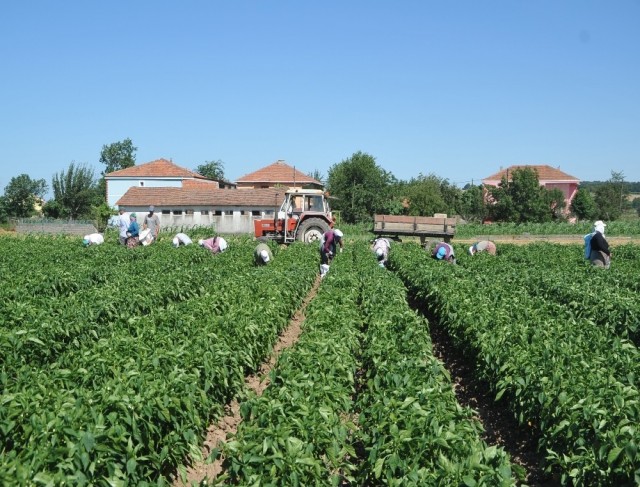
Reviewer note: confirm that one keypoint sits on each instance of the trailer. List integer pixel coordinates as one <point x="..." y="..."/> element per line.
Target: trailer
<point x="424" y="227"/>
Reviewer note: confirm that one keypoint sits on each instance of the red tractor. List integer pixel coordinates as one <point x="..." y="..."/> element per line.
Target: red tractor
<point x="304" y="215"/>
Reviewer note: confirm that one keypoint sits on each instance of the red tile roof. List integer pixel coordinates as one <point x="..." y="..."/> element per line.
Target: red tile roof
<point x="278" y="172"/>
<point x="164" y="197"/>
<point x="545" y="173"/>
<point x="160" y="168"/>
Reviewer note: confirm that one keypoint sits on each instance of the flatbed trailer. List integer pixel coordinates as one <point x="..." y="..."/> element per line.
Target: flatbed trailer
<point x="425" y="227"/>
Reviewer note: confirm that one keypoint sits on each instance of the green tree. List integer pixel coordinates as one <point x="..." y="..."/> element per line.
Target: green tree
<point x="521" y="199"/>
<point x="472" y="205"/>
<point x="611" y="197"/>
<point x="583" y="206"/>
<point x="118" y="155"/>
<point x="74" y="190"/>
<point x="430" y="194"/>
<point x="212" y="170"/>
<point x="115" y="156"/>
<point x="554" y="199"/>
<point x="3" y="210"/>
<point x="21" y="195"/>
<point x="360" y="186"/>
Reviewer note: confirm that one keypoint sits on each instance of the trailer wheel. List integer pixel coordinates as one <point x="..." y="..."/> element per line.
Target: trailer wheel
<point x="311" y="230"/>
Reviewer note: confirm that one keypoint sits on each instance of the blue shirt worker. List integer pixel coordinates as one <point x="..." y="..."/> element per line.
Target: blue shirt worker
<point x="133" y="232"/>
<point x="444" y="251"/>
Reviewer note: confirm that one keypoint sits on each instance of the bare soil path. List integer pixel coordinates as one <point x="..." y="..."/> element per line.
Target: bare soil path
<point x="217" y="432"/>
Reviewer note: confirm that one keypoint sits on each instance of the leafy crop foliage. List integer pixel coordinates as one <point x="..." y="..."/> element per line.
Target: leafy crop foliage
<point x="557" y="341"/>
<point x="360" y="399"/>
<point x="114" y="361"/>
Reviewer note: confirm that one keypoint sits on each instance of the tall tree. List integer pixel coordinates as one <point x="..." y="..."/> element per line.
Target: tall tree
<point x="424" y="196"/>
<point x="520" y="199"/>
<point x="212" y="170"/>
<point x="583" y="206"/>
<point x="611" y="197"/>
<point x="74" y="190"/>
<point x="118" y="155"/>
<point x="21" y="195"/>
<point x="472" y="205"/>
<point x="360" y="186"/>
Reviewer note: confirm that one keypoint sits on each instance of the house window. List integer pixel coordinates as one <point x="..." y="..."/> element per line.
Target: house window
<point x="177" y="212"/>
<point x="218" y="213"/>
<point x="188" y="212"/>
<point x="242" y="212"/>
<point x="204" y="212"/>
<point x="166" y="212"/>
<point x="268" y="213"/>
<point x="141" y="184"/>
<point x="255" y="212"/>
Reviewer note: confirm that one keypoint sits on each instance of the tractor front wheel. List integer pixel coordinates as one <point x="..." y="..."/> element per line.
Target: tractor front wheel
<point x="311" y="230"/>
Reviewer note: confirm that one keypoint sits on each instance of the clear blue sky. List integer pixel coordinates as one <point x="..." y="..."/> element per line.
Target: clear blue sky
<point x="457" y="89"/>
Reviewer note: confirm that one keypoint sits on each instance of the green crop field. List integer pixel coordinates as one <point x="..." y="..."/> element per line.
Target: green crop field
<point x="114" y="361"/>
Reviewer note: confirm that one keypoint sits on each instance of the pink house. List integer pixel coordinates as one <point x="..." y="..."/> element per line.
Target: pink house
<point x="549" y="177"/>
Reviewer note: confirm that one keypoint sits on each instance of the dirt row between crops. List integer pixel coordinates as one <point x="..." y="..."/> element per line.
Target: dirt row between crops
<point x="218" y="432"/>
<point x="500" y="426"/>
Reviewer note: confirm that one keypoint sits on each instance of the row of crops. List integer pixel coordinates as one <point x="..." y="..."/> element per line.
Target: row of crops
<point x="557" y="342"/>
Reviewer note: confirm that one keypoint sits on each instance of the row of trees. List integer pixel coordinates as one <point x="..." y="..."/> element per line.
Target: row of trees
<point x="361" y="188"/>
<point x="77" y="193"/>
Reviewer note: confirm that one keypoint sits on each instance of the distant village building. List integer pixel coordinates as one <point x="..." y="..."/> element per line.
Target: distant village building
<point x="277" y="174"/>
<point x="183" y="198"/>
<point x="549" y="177"/>
<point x="160" y="173"/>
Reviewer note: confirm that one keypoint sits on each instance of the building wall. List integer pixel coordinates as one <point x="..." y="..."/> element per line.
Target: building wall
<point x="221" y="219"/>
<point x="116" y="188"/>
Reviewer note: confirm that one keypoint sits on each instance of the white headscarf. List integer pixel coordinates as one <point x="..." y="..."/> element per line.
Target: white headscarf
<point x="599" y="226"/>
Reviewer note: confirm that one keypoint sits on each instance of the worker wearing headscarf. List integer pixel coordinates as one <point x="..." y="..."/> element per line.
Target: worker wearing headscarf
<point x="92" y="239"/>
<point x="329" y="243"/>
<point x="381" y="247"/>
<point x="181" y="239"/>
<point x="133" y="232"/>
<point x="483" y="246"/>
<point x="262" y="255"/>
<point x="600" y="252"/>
<point x="444" y="251"/>
<point x="214" y="245"/>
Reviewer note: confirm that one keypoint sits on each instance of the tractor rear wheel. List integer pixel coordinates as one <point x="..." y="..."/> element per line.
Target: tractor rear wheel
<point x="311" y="230"/>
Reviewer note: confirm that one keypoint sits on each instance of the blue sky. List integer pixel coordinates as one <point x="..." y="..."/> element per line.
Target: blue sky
<point x="458" y="89"/>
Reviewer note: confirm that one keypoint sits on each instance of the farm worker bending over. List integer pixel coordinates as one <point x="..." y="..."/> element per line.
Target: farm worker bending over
<point x="123" y="225"/>
<point x="181" y="238"/>
<point x="444" y="251"/>
<point x="214" y="244"/>
<point x="328" y="246"/>
<point x="262" y="255"/>
<point x="381" y="247"/>
<point x="152" y="222"/>
<point x="133" y="232"/>
<point x="483" y="246"/>
<point x="600" y="252"/>
<point x="92" y="239"/>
